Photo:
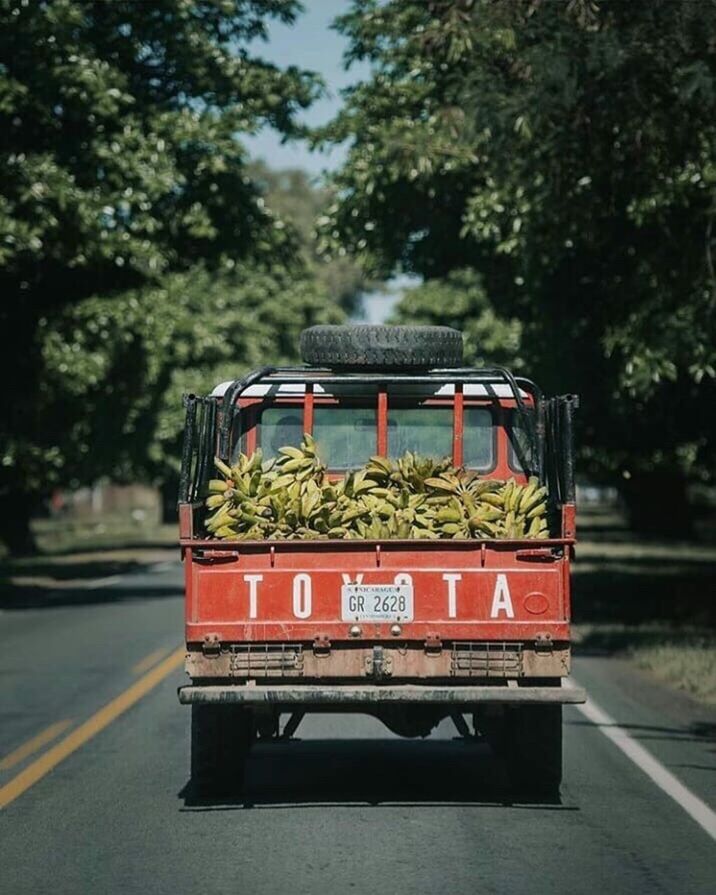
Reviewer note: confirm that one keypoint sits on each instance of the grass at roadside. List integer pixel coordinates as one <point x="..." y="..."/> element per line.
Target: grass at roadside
<point x="684" y="658"/>
<point x="647" y="600"/>
<point x="55" y="536"/>
<point x="688" y="663"/>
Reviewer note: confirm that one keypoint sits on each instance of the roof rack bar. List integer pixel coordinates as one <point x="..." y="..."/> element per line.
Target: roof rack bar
<point x="298" y="374"/>
<point x="464" y="374"/>
<point x="229" y="405"/>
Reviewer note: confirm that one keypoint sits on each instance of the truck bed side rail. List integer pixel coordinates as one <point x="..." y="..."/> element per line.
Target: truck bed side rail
<point x="198" y="448"/>
<point x="559" y="448"/>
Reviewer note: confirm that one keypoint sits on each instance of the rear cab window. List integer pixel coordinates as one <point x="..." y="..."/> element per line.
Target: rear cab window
<point x="278" y="427"/>
<point x="423" y="430"/>
<point x="345" y="435"/>
<point x="345" y="425"/>
<point x="479" y="438"/>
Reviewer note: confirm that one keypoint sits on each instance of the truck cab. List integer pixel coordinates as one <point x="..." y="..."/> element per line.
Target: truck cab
<point x="408" y="630"/>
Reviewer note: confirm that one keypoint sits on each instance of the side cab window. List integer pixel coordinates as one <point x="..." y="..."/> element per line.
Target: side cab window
<point x="520" y="437"/>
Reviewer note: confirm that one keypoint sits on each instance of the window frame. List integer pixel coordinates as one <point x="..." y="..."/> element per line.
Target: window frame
<point x="251" y="408"/>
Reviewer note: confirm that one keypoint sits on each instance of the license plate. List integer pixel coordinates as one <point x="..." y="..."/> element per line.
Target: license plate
<point x="377" y="602"/>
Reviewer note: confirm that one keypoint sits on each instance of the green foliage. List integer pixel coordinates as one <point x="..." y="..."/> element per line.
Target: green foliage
<point x="459" y="300"/>
<point x="117" y="367"/>
<point x="119" y="165"/>
<point x="566" y="151"/>
<point x="297" y="200"/>
<point x="119" y="125"/>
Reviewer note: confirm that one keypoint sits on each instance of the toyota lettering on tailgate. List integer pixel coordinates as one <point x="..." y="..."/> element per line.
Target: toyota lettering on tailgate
<point x="396" y="596"/>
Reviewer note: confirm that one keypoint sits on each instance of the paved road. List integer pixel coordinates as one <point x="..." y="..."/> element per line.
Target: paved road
<point x="346" y="807"/>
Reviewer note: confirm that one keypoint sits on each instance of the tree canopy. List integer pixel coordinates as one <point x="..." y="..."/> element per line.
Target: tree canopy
<point x="116" y="367"/>
<point x="122" y="164"/>
<point x="118" y="139"/>
<point x="548" y="168"/>
<point x="566" y="151"/>
<point x="297" y="199"/>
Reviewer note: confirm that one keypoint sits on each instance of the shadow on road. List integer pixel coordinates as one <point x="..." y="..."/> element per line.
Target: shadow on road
<point x="84" y="578"/>
<point x="42" y="599"/>
<point x="698" y="732"/>
<point x="139" y="546"/>
<point x="631" y="591"/>
<point x="379" y="773"/>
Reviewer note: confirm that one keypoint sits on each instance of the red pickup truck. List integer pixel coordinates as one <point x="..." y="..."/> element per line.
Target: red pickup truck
<point x="408" y="631"/>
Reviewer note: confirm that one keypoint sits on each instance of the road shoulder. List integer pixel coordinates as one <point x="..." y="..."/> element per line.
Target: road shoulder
<point x="678" y="731"/>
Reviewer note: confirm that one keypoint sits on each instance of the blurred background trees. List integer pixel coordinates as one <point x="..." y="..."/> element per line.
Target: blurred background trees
<point x="121" y="167"/>
<point x="116" y="367"/>
<point x="565" y="151"/>
<point x="296" y="198"/>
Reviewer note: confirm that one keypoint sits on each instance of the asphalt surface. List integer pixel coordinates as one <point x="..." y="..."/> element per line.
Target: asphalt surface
<point x="346" y="806"/>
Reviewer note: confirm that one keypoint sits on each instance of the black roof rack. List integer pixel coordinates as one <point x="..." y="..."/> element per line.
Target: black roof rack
<point x="324" y="374"/>
<point x="304" y="373"/>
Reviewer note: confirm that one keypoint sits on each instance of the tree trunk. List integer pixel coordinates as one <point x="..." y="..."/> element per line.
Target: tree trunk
<point x="169" y="489"/>
<point x="657" y="503"/>
<point x="15" y="513"/>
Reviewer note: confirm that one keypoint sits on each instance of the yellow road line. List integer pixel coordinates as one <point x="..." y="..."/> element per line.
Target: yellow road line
<point x="92" y="726"/>
<point x="146" y="663"/>
<point x="37" y="742"/>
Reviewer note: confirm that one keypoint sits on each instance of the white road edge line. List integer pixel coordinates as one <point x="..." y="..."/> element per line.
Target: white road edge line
<point x="664" y="779"/>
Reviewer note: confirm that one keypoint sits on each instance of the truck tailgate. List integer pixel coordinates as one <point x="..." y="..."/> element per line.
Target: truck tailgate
<point x="460" y="590"/>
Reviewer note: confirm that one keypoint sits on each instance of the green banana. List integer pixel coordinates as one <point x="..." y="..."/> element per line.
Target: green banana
<point x="293" y="453"/>
<point x="539" y="510"/>
<point x="290" y="497"/>
<point x="449" y="514"/>
<point x="222" y="467"/>
<point x="214" y="501"/>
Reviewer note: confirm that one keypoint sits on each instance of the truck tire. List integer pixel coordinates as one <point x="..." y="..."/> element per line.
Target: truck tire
<point x="532" y="746"/>
<point x="382" y="347"/>
<point x="221" y="736"/>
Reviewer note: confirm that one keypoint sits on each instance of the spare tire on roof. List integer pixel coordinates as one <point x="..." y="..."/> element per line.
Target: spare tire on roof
<point x="382" y="347"/>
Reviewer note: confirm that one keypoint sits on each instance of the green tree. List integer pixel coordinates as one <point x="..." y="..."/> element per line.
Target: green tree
<point x="567" y="152"/>
<point x="120" y="163"/>
<point x="116" y="367"/>
<point x="292" y="195"/>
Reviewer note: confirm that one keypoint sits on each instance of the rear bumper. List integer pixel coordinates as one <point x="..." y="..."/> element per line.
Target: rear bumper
<point x="289" y="696"/>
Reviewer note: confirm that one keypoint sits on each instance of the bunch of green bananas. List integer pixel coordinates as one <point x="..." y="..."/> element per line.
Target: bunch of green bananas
<point x="260" y="499"/>
<point x="291" y="497"/>
<point x="470" y="507"/>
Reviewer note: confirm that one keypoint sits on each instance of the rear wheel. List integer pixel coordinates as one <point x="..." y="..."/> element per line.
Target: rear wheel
<point x="533" y="748"/>
<point x="529" y="739"/>
<point x="221" y="736"/>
